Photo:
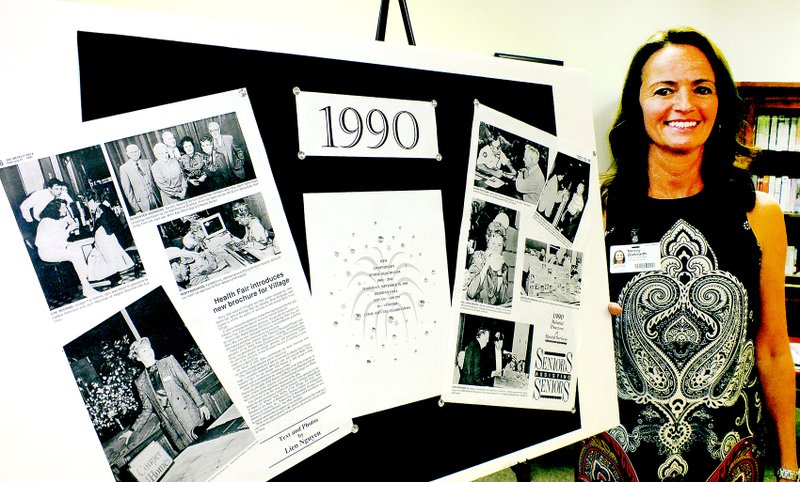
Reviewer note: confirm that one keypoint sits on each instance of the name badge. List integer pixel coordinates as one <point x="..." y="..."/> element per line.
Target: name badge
<point x="634" y="258"/>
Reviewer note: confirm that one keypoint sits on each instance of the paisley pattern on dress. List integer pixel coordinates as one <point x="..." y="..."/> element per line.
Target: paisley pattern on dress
<point x="739" y="466"/>
<point x="601" y="458"/>
<point x="682" y="352"/>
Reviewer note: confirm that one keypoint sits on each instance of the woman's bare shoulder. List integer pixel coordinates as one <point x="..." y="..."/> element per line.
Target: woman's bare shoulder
<point x="766" y="219"/>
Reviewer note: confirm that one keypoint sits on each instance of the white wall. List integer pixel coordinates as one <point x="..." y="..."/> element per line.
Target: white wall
<point x="760" y="39"/>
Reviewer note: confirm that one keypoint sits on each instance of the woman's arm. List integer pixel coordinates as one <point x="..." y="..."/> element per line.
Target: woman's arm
<point x="773" y="358"/>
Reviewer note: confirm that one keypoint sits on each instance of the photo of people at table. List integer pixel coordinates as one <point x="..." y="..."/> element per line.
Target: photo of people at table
<point x="152" y="396"/>
<point x="493" y="353"/>
<point x="551" y="272"/>
<point x="219" y="240"/>
<point x="175" y="163"/>
<point x="564" y="196"/>
<point x="72" y="224"/>
<point x="510" y="165"/>
<point x="491" y="254"/>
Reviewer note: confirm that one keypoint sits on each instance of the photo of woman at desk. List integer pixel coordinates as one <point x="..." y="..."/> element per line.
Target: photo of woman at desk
<point x="72" y="223"/>
<point x="218" y="241"/>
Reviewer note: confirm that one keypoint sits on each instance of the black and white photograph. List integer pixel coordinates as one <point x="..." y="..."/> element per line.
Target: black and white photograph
<point x="219" y="240"/>
<point x="72" y="223"/>
<point x="169" y="165"/>
<point x="552" y="272"/>
<point x="493" y="353"/>
<point x="564" y="196"/>
<point x="510" y="165"/>
<point x="156" y="404"/>
<point x="491" y="254"/>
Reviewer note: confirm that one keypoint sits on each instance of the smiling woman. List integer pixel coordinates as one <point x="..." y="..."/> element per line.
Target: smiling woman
<point x="679" y="105"/>
<point x="700" y="333"/>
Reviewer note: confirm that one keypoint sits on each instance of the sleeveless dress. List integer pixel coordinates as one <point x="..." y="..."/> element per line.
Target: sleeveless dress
<point x="689" y="395"/>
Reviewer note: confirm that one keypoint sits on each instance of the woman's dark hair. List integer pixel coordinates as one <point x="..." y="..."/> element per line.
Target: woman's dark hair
<point x="206" y="138"/>
<point x="627" y="179"/>
<point x="94" y="195"/>
<point x="185" y="139"/>
<point x="53" y="209"/>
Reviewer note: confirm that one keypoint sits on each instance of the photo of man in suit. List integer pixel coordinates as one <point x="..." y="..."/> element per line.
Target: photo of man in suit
<point x="136" y="178"/>
<point x="471" y="373"/>
<point x="225" y="144"/>
<point x="165" y="389"/>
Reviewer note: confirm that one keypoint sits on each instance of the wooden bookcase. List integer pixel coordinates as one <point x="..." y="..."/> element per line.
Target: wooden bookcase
<point x="776" y="98"/>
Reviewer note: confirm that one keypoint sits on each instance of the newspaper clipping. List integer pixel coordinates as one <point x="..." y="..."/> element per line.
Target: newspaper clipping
<point x="520" y="268"/>
<point x="173" y="284"/>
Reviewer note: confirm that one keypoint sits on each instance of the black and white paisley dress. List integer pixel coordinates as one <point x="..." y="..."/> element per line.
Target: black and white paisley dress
<point x="690" y="398"/>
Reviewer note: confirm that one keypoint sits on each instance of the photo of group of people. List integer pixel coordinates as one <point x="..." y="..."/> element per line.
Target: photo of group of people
<point x="493" y="353"/>
<point x="219" y="240"/>
<point x="72" y="223"/>
<point x="565" y="194"/>
<point x="491" y="254"/>
<point x="552" y="272"/>
<point x="164" y="167"/>
<point x="510" y="165"/>
<point x="151" y="395"/>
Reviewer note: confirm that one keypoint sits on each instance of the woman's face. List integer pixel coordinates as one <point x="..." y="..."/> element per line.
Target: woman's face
<point x="495" y="243"/>
<point x="188" y="148"/>
<point x="679" y="99"/>
<point x="207" y="146"/>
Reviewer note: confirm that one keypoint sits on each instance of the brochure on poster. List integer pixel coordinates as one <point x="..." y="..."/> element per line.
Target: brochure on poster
<point x="163" y="255"/>
<point x="521" y="267"/>
<point x="380" y="289"/>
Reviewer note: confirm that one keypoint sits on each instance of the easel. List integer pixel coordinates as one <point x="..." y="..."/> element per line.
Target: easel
<point x="383" y="17"/>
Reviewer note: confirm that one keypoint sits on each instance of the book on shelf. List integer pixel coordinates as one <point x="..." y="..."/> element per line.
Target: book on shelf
<point x="791" y="261"/>
<point x="777" y="132"/>
<point x="782" y="188"/>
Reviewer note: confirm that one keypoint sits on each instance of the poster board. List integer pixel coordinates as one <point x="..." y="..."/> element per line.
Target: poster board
<point x="552" y="99"/>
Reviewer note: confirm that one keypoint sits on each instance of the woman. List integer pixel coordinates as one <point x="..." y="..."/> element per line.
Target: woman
<point x="255" y="236"/>
<point x="216" y="166"/>
<point x="193" y="165"/>
<point x="487" y="276"/>
<point x="701" y="344"/>
<point x="107" y="259"/>
<point x="572" y="215"/>
<point x="52" y="245"/>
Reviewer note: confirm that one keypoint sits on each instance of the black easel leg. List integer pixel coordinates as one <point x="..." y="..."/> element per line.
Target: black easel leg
<point x="383" y="18"/>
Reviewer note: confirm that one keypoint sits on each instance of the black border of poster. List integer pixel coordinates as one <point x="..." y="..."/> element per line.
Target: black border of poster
<point x="418" y="441"/>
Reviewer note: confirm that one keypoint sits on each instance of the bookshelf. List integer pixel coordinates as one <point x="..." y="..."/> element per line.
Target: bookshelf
<point x="772" y="115"/>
